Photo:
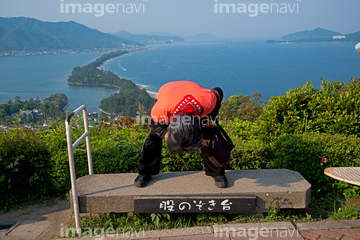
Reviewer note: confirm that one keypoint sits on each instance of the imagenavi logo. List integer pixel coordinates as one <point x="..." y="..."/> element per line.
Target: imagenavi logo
<point x="100" y="9"/>
<point x="254" y="9"/>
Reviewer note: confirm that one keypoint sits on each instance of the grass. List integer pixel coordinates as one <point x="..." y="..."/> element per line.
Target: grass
<point x="346" y="210"/>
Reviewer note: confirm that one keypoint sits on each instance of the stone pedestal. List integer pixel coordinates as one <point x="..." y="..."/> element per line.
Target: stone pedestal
<point x="258" y="189"/>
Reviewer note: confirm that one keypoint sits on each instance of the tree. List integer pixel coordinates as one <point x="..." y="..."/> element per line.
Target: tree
<point x="242" y="107"/>
<point x="28" y="118"/>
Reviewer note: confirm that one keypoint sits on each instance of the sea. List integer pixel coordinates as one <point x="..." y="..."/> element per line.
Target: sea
<point x="238" y="67"/>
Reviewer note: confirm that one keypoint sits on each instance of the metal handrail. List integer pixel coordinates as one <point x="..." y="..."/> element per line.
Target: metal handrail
<point x="71" y="147"/>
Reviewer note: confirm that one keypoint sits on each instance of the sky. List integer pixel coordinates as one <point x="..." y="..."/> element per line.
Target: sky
<point x="222" y="18"/>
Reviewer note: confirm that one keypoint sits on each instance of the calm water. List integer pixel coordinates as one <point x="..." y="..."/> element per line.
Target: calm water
<point x="237" y="67"/>
<point x="32" y="76"/>
<point x="241" y="67"/>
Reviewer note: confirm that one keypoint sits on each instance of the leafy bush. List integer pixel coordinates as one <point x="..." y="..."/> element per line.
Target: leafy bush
<point x="181" y="162"/>
<point x="308" y="129"/>
<point x="310" y="153"/>
<point x="251" y="154"/>
<point x="113" y="151"/>
<point x="242" y="107"/>
<point x="25" y="169"/>
<point x="333" y="109"/>
<point x="240" y="130"/>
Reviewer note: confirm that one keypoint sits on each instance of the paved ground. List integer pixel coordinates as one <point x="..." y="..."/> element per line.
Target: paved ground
<point x="47" y="221"/>
<point x="40" y="221"/>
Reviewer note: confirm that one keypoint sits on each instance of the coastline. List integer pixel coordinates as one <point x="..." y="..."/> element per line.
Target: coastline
<point x="110" y="59"/>
<point x="104" y="112"/>
<point x="304" y="42"/>
<point x="152" y="94"/>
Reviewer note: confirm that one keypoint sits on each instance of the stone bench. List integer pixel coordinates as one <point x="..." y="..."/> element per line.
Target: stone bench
<point x="248" y="191"/>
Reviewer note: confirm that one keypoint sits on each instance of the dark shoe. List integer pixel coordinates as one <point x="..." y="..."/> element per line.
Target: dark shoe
<point x="221" y="181"/>
<point x="142" y="180"/>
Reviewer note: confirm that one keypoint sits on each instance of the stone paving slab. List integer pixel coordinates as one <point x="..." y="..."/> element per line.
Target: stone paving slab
<point x="268" y="225"/>
<point x="280" y="234"/>
<point x="262" y="231"/>
<point x="351" y="223"/>
<point x="328" y="234"/>
<point x="265" y="230"/>
<point x="192" y="231"/>
<point x="308" y="235"/>
<point x="347" y="232"/>
<point x="28" y="229"/>
<point x="197" y="237"/>
<point x="115" y="192"/>
<point x="322" y="225"/>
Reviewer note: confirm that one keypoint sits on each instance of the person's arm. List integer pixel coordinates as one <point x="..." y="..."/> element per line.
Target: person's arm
<point x="219" y="94"/>
<point x="210" y="119"/>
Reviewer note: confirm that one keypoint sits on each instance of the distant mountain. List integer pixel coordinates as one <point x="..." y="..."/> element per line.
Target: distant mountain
<point x="202" y="37"/>
<point x="318" y="35"/>
<point x="353" y="37"/>
<point x="148" y="39"/>
<point x="29" y="34"/>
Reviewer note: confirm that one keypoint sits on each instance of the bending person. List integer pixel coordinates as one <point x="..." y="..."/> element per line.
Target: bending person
<point x="181" y="111"/>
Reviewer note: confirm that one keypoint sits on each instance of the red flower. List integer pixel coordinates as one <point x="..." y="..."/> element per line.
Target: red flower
<point x="324" y="160"/>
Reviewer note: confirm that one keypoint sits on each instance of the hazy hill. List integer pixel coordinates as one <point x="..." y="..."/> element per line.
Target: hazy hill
<point x="147" y="38"/>
<point x="354" y="37"/>
<point x="312" y="34"/>
<point x="30" y="34"/>
<point x="317" y="35"/>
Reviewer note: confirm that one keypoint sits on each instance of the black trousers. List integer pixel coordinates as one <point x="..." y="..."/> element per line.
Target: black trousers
<point x="150" y="158"/>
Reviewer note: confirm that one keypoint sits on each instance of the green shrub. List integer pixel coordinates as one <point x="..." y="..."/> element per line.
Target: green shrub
<point x="310" y="153"/>
<point x="55" y="140"/>
<point x="240" y="130"/>
<point x="25" y="169"/>
<point x="297" y="131"/>
<point x="251" y="154"/>
<point x="113" y="151"/>
<point x="242" y="107"/>
<point x="117" y="151"/>
<point x="333" y="109"/>
<point x="181" y="162"/>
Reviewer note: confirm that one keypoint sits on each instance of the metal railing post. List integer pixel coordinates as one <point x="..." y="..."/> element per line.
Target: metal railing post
<point x="88" y="145"/>
<point x="73" y="177"/>
<point x="71" y="147"/>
